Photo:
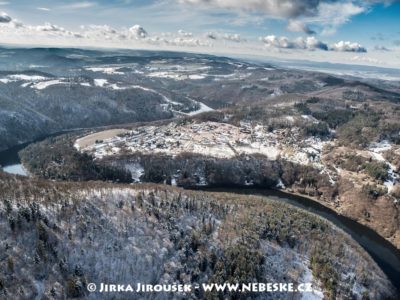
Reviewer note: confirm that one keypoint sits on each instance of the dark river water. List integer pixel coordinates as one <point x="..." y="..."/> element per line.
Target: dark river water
<point x="383" y="252"/>
<point x="10" y="162"/>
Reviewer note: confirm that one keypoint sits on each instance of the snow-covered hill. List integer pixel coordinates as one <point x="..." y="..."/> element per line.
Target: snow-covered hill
<point x="57" y="237"/>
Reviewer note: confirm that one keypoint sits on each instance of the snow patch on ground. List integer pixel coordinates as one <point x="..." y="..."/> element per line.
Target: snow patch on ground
<point x="280" y="184"/>
<point x="33" y="81"/>
<point x="100" y="82"/>
<point x="22" y="77"/>
<point x="114" y="86"/>
<point x="306" y="151"/>
<point x="203" y="108"/>
<point x="39" y="82"/>
<point x="380" y="147"/>
<point x="196" y="77"/>
<point x="26" y="84"/>
<point x="232" y="76"/>
<point x="165" y="98"/>
<point x="376" y="150"/>
<point x="39" y="286"/>
<point x="136" y="170"/>
<point x="311" y="118"/>
<point x="5" y="80"/>
<point x="106" y="70"/>
<point x="317" y="293"/>
<point x="45" y="84"/>
<point x="177" y="76"/>
<point x="290" y="119"/>
<point x="277" y="92"/>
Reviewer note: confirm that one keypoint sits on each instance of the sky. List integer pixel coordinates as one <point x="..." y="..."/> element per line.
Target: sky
<point x="346" y="31"/>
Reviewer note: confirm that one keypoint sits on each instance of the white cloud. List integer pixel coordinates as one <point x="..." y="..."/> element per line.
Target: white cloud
<point x="180" y="39"/>
<point x="175" y="41"/>
<point x="278" y="8"/>
<point x="211" y="35"/>
<point x="51" y="30"/>
<point x="325" y="15"/>
<point x="49" y="27"/>
<point x="366" y="59"/>
<point x="137" y="37"/>
<point x="79" y="5"/>
<point x="184" y="33"/>
<point x="103" y="32"/>
<point x="43" y="8"/>
<point x="381" y="48"/>
<point x="299" y="26"/>
<point x="4" y="18"/>
<point x="16" y="24"/>
<point x="273" y="41"/>
<point x="232" y="37"/>
<point x="103" y="29"/>
<point x="186" y="42"/>
<point x="137" y="32"/>
<point x="343" y="46"/>
<point x="309" y="43"/>
<point x="332" y="15"/>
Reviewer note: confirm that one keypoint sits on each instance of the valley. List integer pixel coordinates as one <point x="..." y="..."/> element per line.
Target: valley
<point x="297" y="170"/>
<point x="48" y="90"/>
<point x="292" y="151"/>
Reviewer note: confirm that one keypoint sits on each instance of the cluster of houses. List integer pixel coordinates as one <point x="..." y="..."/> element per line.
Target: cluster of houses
<point x="220" y="140"/>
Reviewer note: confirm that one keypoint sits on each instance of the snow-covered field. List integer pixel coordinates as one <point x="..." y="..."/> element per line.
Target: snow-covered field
<point x="159" y="69"/>
<point x="45" y="84"/>
<point x="106" y="70"/>
<point x="177" y="76"/>
<point x="22" y="77"/>
<point x="34" y="81"/>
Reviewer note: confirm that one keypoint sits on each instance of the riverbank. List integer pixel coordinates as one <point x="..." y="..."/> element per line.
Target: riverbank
<point x="331" y="205"/>
<point x="385" y="254"/>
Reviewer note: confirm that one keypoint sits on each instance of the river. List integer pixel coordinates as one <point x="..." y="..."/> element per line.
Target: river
<point x="383" y="252"/>
<point x="10" y="162"/>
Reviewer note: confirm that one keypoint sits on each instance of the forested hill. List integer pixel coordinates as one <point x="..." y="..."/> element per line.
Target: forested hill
<point x="57" y="237"/>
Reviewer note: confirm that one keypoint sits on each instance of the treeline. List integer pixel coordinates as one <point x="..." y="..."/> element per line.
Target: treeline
<point x="191" y="170"/>
<point x="56" y="159"/>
